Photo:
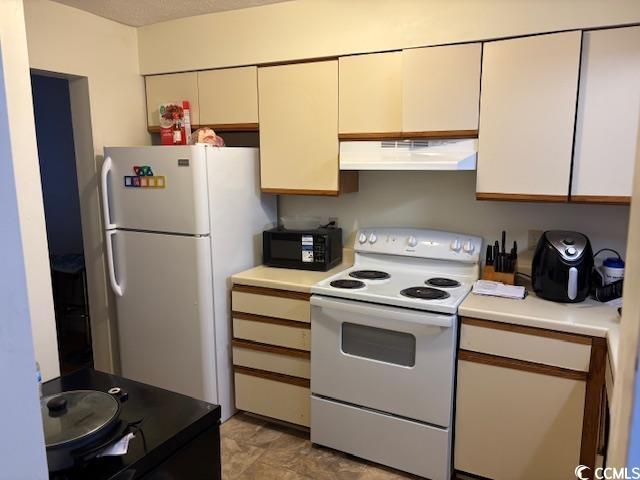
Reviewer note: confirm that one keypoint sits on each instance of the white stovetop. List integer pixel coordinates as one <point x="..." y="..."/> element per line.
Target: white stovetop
<point x="404" y="273"/>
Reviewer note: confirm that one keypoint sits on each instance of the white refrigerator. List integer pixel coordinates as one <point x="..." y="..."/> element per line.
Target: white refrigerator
<point x="179" y="221"/>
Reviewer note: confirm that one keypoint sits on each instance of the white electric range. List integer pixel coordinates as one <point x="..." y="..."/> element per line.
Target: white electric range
<point x="383" y="348"/>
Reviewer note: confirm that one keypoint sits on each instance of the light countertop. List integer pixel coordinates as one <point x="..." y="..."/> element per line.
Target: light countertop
<point x="288" y="278"/>
<point x="585" y="318"/>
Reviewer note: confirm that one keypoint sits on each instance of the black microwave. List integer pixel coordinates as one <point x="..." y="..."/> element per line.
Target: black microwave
<point x="319" y="249"/>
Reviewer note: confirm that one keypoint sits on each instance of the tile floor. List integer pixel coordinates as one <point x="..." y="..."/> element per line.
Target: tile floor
<point x="255" y="449"/>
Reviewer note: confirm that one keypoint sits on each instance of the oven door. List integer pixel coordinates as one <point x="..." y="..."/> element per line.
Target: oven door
<point x="390" y="359"/>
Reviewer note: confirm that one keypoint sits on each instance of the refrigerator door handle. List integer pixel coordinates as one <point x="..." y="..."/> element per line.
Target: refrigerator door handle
<point x="106" y="168"/>
<point x="117" y="289"/>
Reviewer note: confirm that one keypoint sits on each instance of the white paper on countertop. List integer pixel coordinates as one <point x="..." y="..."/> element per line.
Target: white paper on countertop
<point x="498" y="289"/>
<point x="118" y="448"/>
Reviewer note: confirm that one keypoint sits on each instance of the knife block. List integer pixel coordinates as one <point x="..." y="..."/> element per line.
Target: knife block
<point x="508" y="278"/>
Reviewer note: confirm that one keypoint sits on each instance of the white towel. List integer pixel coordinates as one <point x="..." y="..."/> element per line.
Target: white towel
<point x="498" y="289"/>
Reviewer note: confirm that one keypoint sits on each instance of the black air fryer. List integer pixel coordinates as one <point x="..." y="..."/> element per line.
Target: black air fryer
<point x="562" y="265"/>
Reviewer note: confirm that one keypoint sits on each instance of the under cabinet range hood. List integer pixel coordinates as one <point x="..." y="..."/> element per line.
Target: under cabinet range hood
<point x="409" y="155"/>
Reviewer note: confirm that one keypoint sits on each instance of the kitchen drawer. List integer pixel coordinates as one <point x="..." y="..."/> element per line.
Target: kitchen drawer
<point x="283" y="333"/>
<point x="272" y="397"/>
<point x="270" y="302"/>
<point x="397" y="442"/>
<point x="525" y="343"/>
<point x="295" y="363"/>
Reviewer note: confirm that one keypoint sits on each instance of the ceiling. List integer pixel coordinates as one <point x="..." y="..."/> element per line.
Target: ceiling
<point x="145" y="12"/>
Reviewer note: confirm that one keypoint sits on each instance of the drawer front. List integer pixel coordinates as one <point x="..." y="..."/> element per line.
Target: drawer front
<point x="289" y="308"/>
<point x="280" y="334"/>
<point x="271" y="398"/>
<point x="272" y="360"/>
<point x="523" y="343"/>
<point x="410" y="446"/>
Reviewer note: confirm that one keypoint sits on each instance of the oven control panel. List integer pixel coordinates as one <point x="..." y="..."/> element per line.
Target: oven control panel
<point x="423" y="243"/>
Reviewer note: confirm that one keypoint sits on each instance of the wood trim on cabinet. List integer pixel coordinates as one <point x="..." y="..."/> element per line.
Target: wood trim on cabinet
<point x="521" y="197"/>
<point x="348" y="181"/>
<point x="295" y="191"/>
<point x="592" y="403"/>
<point x="436" y="134"/>
<point x="539" y="332"/>
<point x="275" y="321"/>
<point x="604" y="199"/>
<point x="271" y="292"/>
<point x="219" y="127"/>
<point x="278" y="377"/>
<point x="263" y="347"/>
<point x="497" y="361"/>
<point x="233" y="127"/>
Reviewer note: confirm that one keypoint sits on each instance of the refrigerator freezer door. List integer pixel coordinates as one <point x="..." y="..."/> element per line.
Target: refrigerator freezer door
<point x="165" y="313"/>
<point x="169" y="196"/>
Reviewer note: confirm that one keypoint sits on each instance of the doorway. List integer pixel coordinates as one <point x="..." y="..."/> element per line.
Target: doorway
<point x="56" y="151"/>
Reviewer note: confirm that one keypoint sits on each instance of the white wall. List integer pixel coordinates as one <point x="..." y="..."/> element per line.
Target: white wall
<point x="316" y="28"/>
<point x="22" y="452"/>
<point x="108" y="108"/>
<point x="446" y="201"/>
<point x="29" y="192"/>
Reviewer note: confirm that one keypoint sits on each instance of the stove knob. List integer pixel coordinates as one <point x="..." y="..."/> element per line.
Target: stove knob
<point x="373" y="238"/>
<point x="362" y="238"/>
<point x="571" y="251"/>
<point x="456" y="245"/>
<point x="468" y="247"/>
<point x="412" y="241"/>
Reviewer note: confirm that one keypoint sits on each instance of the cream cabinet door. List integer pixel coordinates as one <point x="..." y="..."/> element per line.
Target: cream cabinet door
<point x="229" y="96"/>
<point x="527" y="117"/>
<point x="607" y="122"/>
<point x="174" y="87"/>
<point x="441" y="88"/>
<point x="298" y="107"/>
<point x="370" y="93"/>
<point x="512" y="424"/>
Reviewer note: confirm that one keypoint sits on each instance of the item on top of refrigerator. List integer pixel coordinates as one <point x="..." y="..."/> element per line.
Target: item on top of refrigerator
<point x="208" y="136"/>
<point x="171" y="116"/>
<point x="177" y="130"/>
<point x="186" y="109"/>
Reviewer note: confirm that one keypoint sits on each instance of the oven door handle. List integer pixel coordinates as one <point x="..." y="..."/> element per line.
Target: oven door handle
<point x="383" y="311"/>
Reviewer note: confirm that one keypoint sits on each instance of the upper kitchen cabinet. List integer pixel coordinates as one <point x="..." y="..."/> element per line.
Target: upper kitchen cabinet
<point x="370" y="89"/>
<point x="174" y="87"/>
<point x="607" y="122"/>
<point x="229" y="98"/>
<point x="298" y="105"/>
<point x="441" y="90"/>
<point x="527" y="117"/>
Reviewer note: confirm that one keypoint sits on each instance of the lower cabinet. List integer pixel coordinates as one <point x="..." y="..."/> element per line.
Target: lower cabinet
<point x="521" y="416"/>
<point x="513" y="424"/>
<point x="272" y="396"/>
<point x="271" y="353"/>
